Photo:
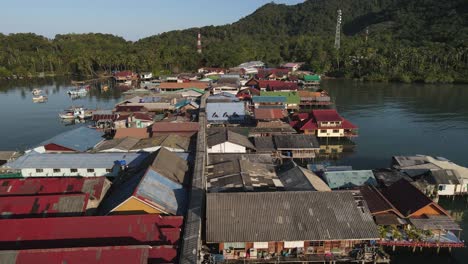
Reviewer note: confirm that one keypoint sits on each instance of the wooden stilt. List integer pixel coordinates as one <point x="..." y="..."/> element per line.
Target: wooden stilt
<point x="414" y="249"/>
<point x="438" y="250"/>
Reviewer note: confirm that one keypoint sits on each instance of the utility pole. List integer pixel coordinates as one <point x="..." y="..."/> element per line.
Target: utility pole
<point x="338" y="37"/>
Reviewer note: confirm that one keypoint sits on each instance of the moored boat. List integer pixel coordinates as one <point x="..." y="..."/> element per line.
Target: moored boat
<point x="36" y="92"/>
<point x="40" y="99"/>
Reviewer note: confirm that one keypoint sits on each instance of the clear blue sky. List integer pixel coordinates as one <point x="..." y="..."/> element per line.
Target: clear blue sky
<point x="131" y="19"/>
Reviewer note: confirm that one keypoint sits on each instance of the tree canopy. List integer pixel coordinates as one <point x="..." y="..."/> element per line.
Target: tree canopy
<point x="403" y="40"/>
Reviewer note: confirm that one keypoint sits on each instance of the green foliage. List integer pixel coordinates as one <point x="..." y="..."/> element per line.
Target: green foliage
<point x="409" y="40"/>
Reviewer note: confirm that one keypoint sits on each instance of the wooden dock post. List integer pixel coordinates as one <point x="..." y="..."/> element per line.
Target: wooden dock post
<point x="393" y="248"/>
<point x="450" y="249"/>
<point x="438" y="250"/>
<point x="414" y="249"/>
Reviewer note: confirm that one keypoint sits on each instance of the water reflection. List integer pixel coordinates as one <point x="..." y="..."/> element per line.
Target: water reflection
<point x="25" y="124"/>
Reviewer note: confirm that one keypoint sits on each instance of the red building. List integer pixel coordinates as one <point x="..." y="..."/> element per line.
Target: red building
<point x="93" y="255"/>
<point x="277" y="86"/>
<point x="90" y="231"/>
<point x="323" y="123"/>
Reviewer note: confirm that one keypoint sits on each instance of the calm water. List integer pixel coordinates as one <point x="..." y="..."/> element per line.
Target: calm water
<point x="25" y="124"/>
<point x="393" y="119"/>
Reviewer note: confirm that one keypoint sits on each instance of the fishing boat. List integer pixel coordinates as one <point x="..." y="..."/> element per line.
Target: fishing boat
<point x="79" y="91"/>
<point x="40" y="99"/>
<point x="76" y="113"/>
<point x="36" y="92"/>
<point x="105" y="88"/>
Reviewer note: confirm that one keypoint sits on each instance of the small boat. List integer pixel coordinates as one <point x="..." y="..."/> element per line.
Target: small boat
<point x="79" y="91"/>
<point x="105" y="88"/>
<point x="36" y="92"/>
<point x="76" y="113"/>
<point x="40" y="99"/>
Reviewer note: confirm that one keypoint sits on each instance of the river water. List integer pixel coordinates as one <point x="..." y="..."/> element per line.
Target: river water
<point x="393" y="119"/>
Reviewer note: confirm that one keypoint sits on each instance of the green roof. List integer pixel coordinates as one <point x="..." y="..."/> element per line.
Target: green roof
<point x="11" y="175"/>
<point x="291" y="97"/>
<point x="312" y="78"/>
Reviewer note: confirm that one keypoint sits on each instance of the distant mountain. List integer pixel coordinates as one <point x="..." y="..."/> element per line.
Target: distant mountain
<point x="407" y="40"/>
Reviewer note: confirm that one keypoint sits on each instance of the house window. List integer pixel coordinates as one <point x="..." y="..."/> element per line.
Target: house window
<point x="441" y="187"/>
<point x="335" y="131"/>
<point x="323" y="131"/>
<point x="56" y="170"/>
<point x="90" y="170"/>
<point x="73" y="170"/>
<point x="39" y="170"/>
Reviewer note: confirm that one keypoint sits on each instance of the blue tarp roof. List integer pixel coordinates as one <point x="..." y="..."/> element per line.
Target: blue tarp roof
<point x="349" y="179"/>
<point x="80" y="139"/>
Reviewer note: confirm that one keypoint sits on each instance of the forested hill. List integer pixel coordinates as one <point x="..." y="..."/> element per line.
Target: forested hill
<point x="407" y="40"/>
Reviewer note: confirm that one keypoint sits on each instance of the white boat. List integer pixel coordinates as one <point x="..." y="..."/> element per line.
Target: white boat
<point x="36" y="92"/>
<point x="79" y="91"/>
<point x="76" y="112"/>
<point x="40" y="99"/>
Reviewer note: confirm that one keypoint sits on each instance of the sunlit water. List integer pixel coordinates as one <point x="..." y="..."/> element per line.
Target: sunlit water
<point x="393" y="119"/>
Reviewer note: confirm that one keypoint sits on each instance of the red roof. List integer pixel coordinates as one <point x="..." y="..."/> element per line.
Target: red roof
<point x="60" y="185"/>
<point x="129" y="108"/>
<point x="97" y="255"/>
<point x="183" y="85"/>
<point x="277" y="85"/>
<point x="309" y="125"/>
<point x="348" y="125"/>
<point x="124" y="74"/>
<point x="164" y="127"/>
<point x="265" y="113"/>
<point x="83" y="231"/>
<point x="326" y="115"/>
<point x="143" y="116"/>
<point x="43" y="205"/>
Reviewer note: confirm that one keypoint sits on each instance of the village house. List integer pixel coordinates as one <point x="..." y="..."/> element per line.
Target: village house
<point x="33" y="164"/>
<point x="434" y="176"/>
<point x="349" y="179"/>
<point x="88" y="255"/>
<point x="242" y="175"/>
<point x="157" y="190"/>
<point x="225" y="88"/>
<point x="146" y="76"/>
<point x="133" y="132"/>
<point x="90" y="231"/>
<point x="272" y="86"/>
<point x="94" y="187"/>
<point x="268" y="115"/>
<point x="283" y="225"/>
<point x="52" y="205"/>
<point x="225" y="141"/>
<point x="314" y="99"/>
<point x="273" y="74"/>
<point x="268" y="102"/>
<point x="247" y="93"/>
<point x="175" y="86"/>
<point x="186" y="129"/>
<point x="324" y="123"/>
<point x="125" y="77"/>
<point x="430" y="224"/>
<point x="296" y="146"/>
<point x="172" y="142"/>
<point x="207" y="71"/>
<point x="292" y="66"/>
<point x="384" y="213"/>
<point x="297" y="178"/>
<point x="270" y="128"/>
<point x="7" y="156"/>
<point x="76" y="140"/>
<point x="292" y="98"/>
<point x="225" y="108"/>
<point x="311" y="80"/>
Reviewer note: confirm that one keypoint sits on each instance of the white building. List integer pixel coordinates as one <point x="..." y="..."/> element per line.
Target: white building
<point x="34" y="164"/>
<point x="225" y="141"/>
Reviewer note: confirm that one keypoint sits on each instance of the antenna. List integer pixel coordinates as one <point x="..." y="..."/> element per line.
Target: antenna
<point x="199" y="47"/>
<point x="338" y="30"/>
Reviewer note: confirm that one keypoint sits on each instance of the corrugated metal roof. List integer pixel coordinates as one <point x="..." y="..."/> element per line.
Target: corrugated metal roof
<point x="219" y="136"/>
<point x="171" y="166"/>
<point x="349" y="179"/>
<point x="92" y="255"/>
<point x="60" y="185"/>
<point x="75" y="160"/>
<point x="85" y="231"/>
<point x="297" y="178"/>
<point x="225" y="111"/>
<point x="80" y="139"/>
<point x="162" y="192"/>
<point x="296" y="141"/>
<point x="43" y="205"/>
<point x="287" y="216"/>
